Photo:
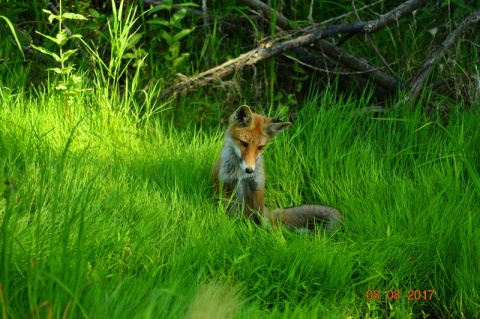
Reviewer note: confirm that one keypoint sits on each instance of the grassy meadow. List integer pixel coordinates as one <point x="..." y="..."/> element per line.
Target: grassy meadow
<point x="106" y="204"/>
<point x="103" y="216"/>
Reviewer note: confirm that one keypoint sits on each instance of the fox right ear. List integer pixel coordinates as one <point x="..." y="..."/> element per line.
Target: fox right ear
<point x="276" y="127"/>
<point x="243" y="116"/>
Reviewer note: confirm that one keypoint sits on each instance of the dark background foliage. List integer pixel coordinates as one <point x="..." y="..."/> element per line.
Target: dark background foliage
<point x="227" y="29"/>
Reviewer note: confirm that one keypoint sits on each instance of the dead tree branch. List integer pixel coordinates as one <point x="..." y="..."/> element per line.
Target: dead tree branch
<point x="268" y="50"/>
<point x="419" y="80"/>
<point x="360" y="66"/>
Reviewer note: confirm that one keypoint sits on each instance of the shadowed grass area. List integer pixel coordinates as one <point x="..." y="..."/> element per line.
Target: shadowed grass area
<point x="103" y="216"/>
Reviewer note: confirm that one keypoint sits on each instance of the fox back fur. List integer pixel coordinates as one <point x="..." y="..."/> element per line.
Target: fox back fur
<point x="239" y="176"/>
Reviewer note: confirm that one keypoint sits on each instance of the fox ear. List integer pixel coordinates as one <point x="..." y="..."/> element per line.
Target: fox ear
<point x="276" y="127"/>
<point x="243" y="116"/>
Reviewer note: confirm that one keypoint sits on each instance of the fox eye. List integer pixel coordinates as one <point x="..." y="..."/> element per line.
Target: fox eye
<point x="261" y="147"/>
<point x="244" y="144"/>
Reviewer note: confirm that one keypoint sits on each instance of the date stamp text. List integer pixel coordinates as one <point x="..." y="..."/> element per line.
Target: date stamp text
<point x="411" y="295"/>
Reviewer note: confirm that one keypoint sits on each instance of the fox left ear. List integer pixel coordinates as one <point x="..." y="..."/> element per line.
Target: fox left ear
<point x="243" y="116"/>
<point x="274" y="128"/>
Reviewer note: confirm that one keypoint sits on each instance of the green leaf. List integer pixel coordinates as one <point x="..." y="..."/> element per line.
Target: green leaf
<point x="62" y="37"/>
<point x="65" y="70"/>
<point x="45" y="51"/>
<point x="49" y="37"/>
<point x="158" y="8"/>
<point x="134" y="39"/>
<point x="174" y="50"/>
<point x="177" y="16"/>
<point x="51" y="16"/>
<point x="187" y="4"/>
<point x="67" y="54"/>
<point x="139" y="63"/>
<point x="141" y="52"/>
<point x="56" y="70"/>
<point x="181" y="35"/>
<point x="61" y="87"/>
<point x="73" y="16"/>
<point x="166" y="36"/>
<point x="128" y="56"/>
<point x="168" y="4"/>
<point x="178" y="61"/>
<point x="159" y="21"/>
<point x="76" y="79"/>
<point x="94" y="13"/>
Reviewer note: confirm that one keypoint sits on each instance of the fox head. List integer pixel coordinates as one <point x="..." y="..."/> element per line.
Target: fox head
<point x="248" y="133"/>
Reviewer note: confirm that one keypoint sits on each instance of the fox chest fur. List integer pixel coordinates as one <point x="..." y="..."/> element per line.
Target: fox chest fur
<point x="239" y="186"/>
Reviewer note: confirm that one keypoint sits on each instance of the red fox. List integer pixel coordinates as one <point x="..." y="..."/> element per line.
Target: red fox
<point x="239" y="175"/>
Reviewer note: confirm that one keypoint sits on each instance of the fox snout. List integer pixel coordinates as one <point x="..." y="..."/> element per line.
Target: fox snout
<point x="249" y="169"/>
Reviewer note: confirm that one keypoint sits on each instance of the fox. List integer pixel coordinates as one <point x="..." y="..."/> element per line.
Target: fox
<point x="239" y="176"/>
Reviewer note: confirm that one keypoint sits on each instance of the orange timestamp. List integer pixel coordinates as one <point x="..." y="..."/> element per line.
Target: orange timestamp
<point x="412" y="294"/>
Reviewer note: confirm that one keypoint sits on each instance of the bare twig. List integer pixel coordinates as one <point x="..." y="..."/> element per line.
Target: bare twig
<point x="420" y="78"/>
<point x="310" y="14"/>
<point x="204" y="12"/>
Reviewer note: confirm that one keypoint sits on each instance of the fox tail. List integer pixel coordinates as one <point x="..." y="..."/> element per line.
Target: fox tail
<point x="307" y="216"/>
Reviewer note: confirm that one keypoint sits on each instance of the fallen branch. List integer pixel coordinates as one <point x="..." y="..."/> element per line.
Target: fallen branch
<point x="419" y="80"/>
<point x="268" y="50"/>
<point x="360" y="66"/>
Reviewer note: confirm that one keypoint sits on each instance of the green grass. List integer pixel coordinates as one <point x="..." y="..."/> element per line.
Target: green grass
<point x="106" y="209"/>
<point x="108" y="217"/>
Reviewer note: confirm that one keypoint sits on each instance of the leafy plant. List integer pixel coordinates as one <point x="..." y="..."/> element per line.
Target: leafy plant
<point x="69" y="84"/>
<point x="172" y="31"/>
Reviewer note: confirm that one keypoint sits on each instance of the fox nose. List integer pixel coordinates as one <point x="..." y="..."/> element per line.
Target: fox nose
<point x="248" y="170"/>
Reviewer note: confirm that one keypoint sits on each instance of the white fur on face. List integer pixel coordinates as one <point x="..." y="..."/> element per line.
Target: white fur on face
<point x="229" y="141"/>
<point x="243" y="165"/>
<point x="232" y="172"/>
<point x="232" y="168"/>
